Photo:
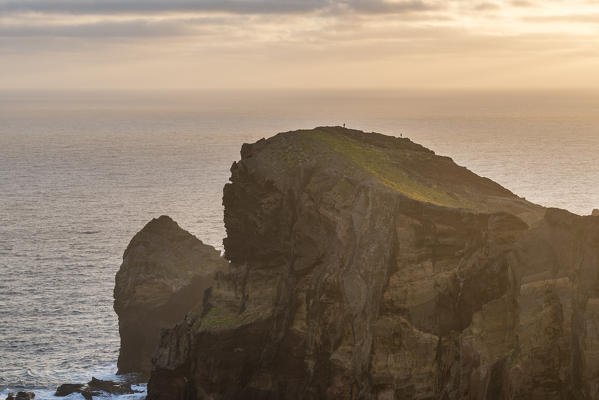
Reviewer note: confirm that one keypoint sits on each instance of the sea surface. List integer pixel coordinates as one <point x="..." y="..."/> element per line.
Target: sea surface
<point x="82" y="172"/>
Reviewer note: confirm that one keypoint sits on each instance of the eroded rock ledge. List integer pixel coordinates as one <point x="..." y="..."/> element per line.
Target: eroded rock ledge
<point x="367" y="267"/>
<point x="164" y="274"/>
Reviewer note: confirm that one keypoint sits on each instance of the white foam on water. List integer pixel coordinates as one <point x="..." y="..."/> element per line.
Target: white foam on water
<point x="105" y="373"/>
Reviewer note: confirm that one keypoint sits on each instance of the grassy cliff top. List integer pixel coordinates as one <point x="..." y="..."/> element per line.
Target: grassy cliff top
<point x="396" y="163"/>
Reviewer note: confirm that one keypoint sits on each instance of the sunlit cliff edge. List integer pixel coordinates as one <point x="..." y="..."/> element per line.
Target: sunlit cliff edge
<point x="363" y="266"/>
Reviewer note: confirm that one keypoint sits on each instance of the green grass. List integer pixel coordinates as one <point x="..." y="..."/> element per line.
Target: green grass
<point x="378" y="163"/>
<point x="218" y="318"/>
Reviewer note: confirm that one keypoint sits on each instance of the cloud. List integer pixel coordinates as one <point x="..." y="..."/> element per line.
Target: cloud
<point x="156" y="6"/>
<point x="135" y="28"/>
<point x="390" y="7"/>
<point x="585" y="18"/>
<point x="522" y="3"/>
<point x="487" y="6"/>
<point x="211" y="6"/>
<point x="153" y="18"/>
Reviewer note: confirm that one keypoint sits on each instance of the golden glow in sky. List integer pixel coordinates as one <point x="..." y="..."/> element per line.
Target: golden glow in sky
<point x="299" y="44"/>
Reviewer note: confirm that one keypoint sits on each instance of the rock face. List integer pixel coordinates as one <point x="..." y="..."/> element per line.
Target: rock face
<point x="164" y="274"/>
<point x="367" y="267"/>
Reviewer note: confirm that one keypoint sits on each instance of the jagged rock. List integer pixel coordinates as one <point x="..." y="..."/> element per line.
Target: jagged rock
<point x="21" y="396"/>
<point x="164" y="274"/>
<point x="95" y="387"/>
<point x="366" y="267"/>
<point x="110" y="386"/>
<point x="67" y="388"/>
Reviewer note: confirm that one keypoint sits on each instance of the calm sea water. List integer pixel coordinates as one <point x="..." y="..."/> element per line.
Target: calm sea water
<point x="80" y="173"/>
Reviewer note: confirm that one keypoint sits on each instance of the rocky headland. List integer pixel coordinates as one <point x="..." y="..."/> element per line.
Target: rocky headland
<point x="363" y="266"/>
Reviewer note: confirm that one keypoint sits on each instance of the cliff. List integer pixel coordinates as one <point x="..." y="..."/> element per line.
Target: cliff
<point x="164" y="273"/>
<point x="367" y="267"/>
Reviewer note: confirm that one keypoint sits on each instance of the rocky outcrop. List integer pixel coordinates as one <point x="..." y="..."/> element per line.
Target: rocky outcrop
<point x="21" y="396"/>
<point x="595" y="212"/>
<point x="367" y="267"/>
<point x="95" y="388"/>
<point x="164" y="274"/>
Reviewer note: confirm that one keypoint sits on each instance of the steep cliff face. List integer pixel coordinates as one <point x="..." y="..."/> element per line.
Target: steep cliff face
<point x="164" y="274"/>
<point x="367" y="267"/>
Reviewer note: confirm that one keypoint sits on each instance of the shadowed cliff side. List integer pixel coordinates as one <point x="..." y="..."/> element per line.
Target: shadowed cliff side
<point x="164" y="274"/>
<point x="366" y="267"/>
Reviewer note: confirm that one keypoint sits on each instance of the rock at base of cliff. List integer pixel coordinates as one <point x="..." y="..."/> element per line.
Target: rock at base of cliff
<point x="95" y="387"/>
<point x="21" y="396"/>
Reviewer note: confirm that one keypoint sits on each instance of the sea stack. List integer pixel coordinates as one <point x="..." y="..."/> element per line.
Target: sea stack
<point x="595" y="212"/>
<point x="164" y="274"/>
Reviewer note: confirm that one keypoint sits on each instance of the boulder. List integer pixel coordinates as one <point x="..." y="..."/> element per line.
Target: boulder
<point x="164" y="274"/>
<point x="68" y="388"/>
<point x="21" y="396"/>
<point x="595" y="212"/>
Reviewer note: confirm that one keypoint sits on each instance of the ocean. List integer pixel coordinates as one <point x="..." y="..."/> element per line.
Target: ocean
<point x="82" y="172"/>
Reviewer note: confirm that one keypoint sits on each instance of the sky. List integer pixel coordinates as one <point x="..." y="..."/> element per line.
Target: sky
<point x="272" y="44"/>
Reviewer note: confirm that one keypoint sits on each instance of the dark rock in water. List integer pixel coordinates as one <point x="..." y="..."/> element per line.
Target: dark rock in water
<point x="68" y="388"/>
<point x="110" y="386"/>
<point x="366" y="267"/>
<point x="164" y="274"/>
<point x="95" y="387"/>
<point x="595" y="213"/>
<point x="21" y="396"/>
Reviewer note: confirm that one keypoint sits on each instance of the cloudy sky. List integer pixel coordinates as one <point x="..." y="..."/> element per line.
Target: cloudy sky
<point x="299" y="44"/>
